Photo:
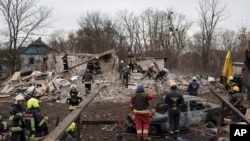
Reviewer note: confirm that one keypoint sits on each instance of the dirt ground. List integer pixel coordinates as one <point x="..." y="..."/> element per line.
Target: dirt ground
<point x="98" y="111"/>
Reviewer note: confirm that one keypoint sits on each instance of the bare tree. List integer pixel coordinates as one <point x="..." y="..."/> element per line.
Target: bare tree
<point x="211" y="13"/>
<point x="23" y="17"/>
<point x="229" y="40"/>
<point x="97" y="33"/>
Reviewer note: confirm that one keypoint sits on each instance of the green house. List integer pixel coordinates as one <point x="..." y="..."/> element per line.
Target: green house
<point x="33" y="57"/>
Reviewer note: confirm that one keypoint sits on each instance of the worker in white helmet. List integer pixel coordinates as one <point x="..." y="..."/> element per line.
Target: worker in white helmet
<point x="15" y="115"/>
<point x="74" y="98"/>
<point x="150" y="72"/>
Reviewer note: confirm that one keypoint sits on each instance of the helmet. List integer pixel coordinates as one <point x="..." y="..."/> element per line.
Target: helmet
<point x="19" y="97"/>
<point x="71" y="127"/>
<point x="128" y="67"/>
<point x="151" y="65"/>
<point x="33" y="103"/>
<point x="73" y="86"/>
<point x="194" y="78"/>
<point x="172" y="84"/>
<point x="87" y="70"/>
<point x="230" y="77"/>
<point x="236" y="88"/>
<point x="165" y="70"/>
<point x="140" y="87"/>
<point x="122" y="61"/>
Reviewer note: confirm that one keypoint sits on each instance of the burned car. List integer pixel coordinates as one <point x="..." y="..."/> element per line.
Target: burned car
<point x="195" y="111"/>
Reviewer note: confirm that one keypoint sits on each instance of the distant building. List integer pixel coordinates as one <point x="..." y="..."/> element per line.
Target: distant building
<point x="33" y="57"/>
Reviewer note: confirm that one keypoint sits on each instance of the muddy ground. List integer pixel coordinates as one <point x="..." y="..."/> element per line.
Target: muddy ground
<point x="96" y="110"/>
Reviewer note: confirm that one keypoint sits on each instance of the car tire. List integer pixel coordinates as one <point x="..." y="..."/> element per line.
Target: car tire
<point x="154" y="130"/>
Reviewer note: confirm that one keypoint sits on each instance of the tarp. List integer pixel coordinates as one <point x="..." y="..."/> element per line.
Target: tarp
<point x="228" y="66"/>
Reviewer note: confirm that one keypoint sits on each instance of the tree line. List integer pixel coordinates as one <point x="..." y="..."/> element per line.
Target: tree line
<point x="149" y="33"/>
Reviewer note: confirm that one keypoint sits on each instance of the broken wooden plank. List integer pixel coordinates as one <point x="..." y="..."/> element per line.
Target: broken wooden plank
<point x="59" y="130"/>
<point x="92" y="58"/>
<point x="56" y="86"/>
<point x="248" y="113"/>
<point x="3" y="96"/>
<point x="5" y="89"/>
<point x="51" y="86"/>
<point x="10" y="89"/>
<point x="15" y="76"/>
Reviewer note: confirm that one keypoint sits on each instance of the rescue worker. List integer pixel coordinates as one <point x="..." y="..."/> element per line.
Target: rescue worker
<point x="15" y="115"/>
<point x="90" y="66"/>
<point x="231" y="85"/>
<point x="97" y="68"/>
<point x="74" y="98"/>
<point x="236" y="99"/>
<point x="131" y="61"/>
<point x="150" y="72"/>
<point x="87" y="79"/>
<point x="3" y="126"/>
<point x="126" y="74"/>
<point x="139" y="103"/>
<point x="193" y="87"/>
<point x="35" y="123"/>
<point x="65" y="62"/>
<point x="69" y="132"/>
<point x="174" y="100"/>
<point x="161" y="74"/>
<point x="120" y="68"/>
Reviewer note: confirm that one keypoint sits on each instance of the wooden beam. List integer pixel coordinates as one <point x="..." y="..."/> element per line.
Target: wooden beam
<point x="92" y="58"/>
<point x="59" y="130"/>
<point x="229" y="105"/>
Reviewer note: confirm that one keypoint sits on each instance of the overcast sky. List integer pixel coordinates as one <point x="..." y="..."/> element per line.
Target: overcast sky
<point x="67" y="12"/>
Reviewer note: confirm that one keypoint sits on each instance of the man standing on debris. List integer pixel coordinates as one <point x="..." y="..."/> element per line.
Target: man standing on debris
<point x="161" y="74"/>
<point x="120" y="68"/>
<point x="90" y="66"/>
<point x="97" y="68"/>
<point x="131" y="60"/>
<point x="126" y="74"/>
<point x="87" y="79"/>
<point x="15" y="115"/>
<point x="174" y="100"/>
<point x="35" y="122"/>
<point x="74" y="98"/>
<point x="231" y="85"/>
<point x="236" y="99"/>
<point x="65" y="62"/>
<point x="193" y="87"/>
<point x="139" y="103"/>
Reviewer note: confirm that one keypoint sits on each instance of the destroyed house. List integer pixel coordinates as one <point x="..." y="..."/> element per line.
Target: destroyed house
<point x="33" y="57"/>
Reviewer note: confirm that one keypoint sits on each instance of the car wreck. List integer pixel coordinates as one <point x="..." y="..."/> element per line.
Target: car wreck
<point x="195" y="111"/>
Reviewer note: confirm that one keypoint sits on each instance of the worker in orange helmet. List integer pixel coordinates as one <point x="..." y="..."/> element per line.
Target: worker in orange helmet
<point x="193" y="87"/>
<point x="174" y="100"/>
<point x="139" y="103"/>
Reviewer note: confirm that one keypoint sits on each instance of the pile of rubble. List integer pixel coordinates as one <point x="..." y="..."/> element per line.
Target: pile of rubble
<point x="51" y="86"/>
